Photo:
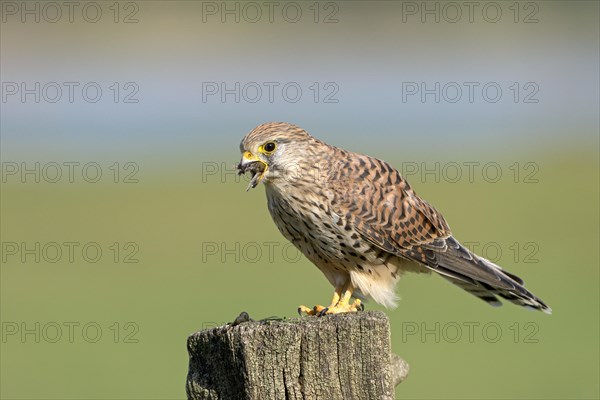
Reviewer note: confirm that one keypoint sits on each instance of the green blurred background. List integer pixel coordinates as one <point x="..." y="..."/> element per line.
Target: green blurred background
<point x="194" y="249"/>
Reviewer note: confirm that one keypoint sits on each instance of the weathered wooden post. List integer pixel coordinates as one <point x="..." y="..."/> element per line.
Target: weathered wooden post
<point x="344" y="356"/>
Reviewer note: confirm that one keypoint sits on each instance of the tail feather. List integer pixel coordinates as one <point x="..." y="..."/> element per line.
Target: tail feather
<point x="479" y="276"/>
<point x="477" y="291"/>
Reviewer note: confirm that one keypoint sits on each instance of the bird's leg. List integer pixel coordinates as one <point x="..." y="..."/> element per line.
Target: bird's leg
<point x="339" y="303"/>
<point x="336" y="297"/>
<point x="344" y="305"/>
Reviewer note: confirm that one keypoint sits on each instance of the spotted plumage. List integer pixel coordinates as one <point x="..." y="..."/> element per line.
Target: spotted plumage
<point x="359" y="221"/>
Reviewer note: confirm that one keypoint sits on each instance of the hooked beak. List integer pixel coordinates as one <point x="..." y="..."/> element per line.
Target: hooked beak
<point x="254" y="165"/>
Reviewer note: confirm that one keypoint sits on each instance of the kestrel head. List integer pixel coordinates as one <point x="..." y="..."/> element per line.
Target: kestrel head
<point x="271" y="148"/>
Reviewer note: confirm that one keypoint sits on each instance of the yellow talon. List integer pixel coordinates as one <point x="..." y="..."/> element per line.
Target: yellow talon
<point x="339" y="304"/>
<point x="316" y="310"/>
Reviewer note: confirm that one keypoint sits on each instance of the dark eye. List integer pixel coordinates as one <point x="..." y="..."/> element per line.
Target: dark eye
<point x="269" y="147"/>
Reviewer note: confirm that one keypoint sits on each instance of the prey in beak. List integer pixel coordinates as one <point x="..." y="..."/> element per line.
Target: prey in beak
<point x="254" y="165"/>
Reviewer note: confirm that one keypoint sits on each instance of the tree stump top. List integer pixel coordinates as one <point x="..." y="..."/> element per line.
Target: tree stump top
<point x="344" y="356"/>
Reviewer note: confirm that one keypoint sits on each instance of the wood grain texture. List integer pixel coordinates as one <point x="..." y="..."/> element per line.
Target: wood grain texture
<point x="344" y="356"/>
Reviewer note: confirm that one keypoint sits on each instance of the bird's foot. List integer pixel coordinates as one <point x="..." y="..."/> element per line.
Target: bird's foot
<point x="341" y="307"/>
<point x="316" y="310"/>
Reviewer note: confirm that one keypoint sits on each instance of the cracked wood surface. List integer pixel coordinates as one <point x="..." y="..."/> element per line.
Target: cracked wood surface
<point x="344" y="356"/>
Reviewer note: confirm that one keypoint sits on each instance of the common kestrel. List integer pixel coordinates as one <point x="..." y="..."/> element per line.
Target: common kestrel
<point x="361" y="223"/>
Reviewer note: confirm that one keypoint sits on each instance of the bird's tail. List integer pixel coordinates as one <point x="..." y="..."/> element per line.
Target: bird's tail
<point x="484" y="279"/>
